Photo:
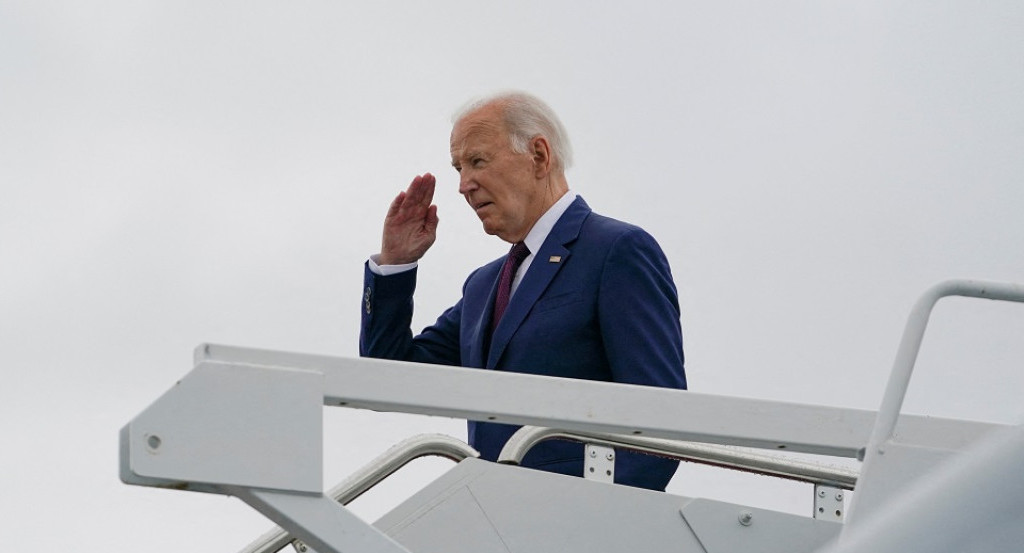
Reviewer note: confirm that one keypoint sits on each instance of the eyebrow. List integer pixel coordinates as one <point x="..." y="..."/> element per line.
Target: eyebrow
<point x="467" y="155"/>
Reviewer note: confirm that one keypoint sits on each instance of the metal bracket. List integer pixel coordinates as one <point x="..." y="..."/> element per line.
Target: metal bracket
<point x="828" y="503"/>
<point x="599" y="463"/>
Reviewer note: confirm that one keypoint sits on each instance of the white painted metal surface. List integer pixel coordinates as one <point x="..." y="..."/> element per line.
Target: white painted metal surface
<point x="231" y="426"/>
<point x="370" y="475"/>
<point x="601" y="407"/>
<point x="481" y="507"/>
<point x="974" y="502"/>
<point x="318" y="521"/>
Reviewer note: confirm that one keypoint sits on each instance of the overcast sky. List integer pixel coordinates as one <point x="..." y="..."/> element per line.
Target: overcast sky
<point x="173" y="173"/>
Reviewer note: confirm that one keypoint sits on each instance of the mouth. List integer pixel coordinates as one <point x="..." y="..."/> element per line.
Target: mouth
<point x="477" y="207"/>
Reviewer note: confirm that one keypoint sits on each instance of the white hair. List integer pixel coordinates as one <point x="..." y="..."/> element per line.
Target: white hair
<point x="527" y="117"/>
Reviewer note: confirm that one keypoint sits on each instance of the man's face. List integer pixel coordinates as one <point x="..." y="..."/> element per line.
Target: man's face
<point x="499" y="184"/>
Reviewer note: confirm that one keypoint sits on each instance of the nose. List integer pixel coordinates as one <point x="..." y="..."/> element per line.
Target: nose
<point x="466" y="183"/>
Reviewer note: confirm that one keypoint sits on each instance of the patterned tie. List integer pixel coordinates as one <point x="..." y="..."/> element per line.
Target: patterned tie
<point x="515" y="258"/>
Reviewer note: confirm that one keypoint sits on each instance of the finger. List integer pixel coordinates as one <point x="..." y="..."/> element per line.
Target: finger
<point x="429" y="183"/>
<point x="396" y="204"/>
<point x="421" y="191"/>
<point x="431" y="220"/>
<point x="415" y="191"/>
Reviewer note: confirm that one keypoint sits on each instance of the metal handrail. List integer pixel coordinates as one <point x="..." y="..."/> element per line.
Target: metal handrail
<point x="373" y="473"/>
<point x="710" y="454"/>
<point x="913" y="335"/>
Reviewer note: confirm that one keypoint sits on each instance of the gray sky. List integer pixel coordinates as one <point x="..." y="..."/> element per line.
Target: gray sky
<point x="173" y="173"/>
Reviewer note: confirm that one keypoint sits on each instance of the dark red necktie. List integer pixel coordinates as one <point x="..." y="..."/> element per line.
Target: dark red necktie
<point x="515" y="258"/>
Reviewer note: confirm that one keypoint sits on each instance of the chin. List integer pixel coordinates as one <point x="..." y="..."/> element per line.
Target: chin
<point x="494" y="231"/>
<point x="489" y="229"/>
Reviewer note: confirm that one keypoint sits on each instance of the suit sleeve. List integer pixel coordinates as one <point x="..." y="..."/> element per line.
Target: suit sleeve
<point x="639" y="314"/>
<point x="639" y="317"/>
<point x="387" y="316"/>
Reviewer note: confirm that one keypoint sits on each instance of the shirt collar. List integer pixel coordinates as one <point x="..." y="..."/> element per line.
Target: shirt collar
<point x="542" y="228"/>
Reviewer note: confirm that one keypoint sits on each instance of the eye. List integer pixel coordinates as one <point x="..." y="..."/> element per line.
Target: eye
<point x="477" y="161"/>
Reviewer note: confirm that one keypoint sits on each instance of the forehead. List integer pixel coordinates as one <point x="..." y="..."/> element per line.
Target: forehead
<point x="480" y="129"/>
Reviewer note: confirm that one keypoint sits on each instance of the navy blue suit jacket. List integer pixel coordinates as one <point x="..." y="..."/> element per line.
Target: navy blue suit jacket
<point x="597" y="303"/>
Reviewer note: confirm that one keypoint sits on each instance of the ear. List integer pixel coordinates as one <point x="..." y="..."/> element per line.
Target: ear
<point x="541" y="151"/>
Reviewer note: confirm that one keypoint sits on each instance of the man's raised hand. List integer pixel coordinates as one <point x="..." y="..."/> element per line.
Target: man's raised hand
<point x="411" y="223"/>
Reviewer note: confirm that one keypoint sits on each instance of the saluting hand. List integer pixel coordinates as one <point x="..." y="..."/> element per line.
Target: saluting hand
<point x="411" y="223"/>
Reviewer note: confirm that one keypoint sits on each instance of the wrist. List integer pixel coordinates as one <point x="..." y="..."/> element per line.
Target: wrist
<point x="388" y="259"/>
<point x="378" y="267"/>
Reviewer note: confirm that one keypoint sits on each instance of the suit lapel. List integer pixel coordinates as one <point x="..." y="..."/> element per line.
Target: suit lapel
<point x="546" y="264"/>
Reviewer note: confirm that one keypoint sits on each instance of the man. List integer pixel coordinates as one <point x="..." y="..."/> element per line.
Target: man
<point x="593" y="299"/>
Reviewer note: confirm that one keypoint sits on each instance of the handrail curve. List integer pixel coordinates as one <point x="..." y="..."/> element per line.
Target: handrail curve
<point x="371" y="474"/>
<point x="913" y="336"/>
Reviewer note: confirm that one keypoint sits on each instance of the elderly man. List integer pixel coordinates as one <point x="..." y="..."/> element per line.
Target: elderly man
<point x="579" y="295"/>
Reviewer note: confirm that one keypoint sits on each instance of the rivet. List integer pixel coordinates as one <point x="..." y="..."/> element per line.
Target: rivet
<point x="746" y="518"/>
